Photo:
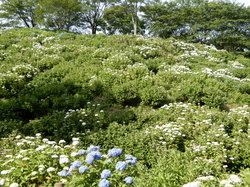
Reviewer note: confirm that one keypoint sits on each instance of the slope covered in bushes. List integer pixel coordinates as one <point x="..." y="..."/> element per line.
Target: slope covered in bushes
<point x="181" y="109"/>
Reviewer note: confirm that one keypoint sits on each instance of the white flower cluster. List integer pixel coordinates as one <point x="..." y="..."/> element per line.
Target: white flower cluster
<point x="243" y="111"/>
<point x="169" y="132"/>
<point x="147" y="51"/>
<point x="191" y="51"/>
<point x="198" y="181"/>
<point x="20" y="72"/>
<point x="236" y="65"/>
<point x="231" y="181"/>
<point x="71" y="112"/>
<point x="29" y="148"/>
<point x="179" y="69"/>
<point x="223" y="73"/>
<point x="48" y="39"/>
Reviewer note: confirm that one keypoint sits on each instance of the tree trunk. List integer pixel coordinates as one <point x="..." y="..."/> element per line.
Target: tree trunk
<point x="26" y="23"/>
<point x="33" y="23"/>
<point x="134" y="25"/>
<point x="94" y="28"/>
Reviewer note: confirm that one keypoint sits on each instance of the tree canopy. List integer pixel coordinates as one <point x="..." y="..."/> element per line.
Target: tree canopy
<point x="221" y="23"/>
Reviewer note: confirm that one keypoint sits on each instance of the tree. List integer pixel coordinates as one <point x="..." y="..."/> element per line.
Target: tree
<point x="19" y="12"/>
<point x="123" y="17"/>
<point x="92" y="14"/>
<point x="59" y="14"/>
<point x="223" y="24"/>
<point x="118" y="21"/>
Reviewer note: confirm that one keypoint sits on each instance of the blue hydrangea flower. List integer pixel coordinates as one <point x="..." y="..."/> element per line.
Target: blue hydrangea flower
<point x="96" y="154"/>
<point x="114" y="152"/>
<point x="93" y="148"/>
<point x="121" y="166"/>
<point x="132" y="162"/>
<point x="104" y="183"/>
<point x="71" y="168"/>
<point x="63" y="174"/>
<point x="89" y="159"/>
<point x="83" y="169"/>
<point x="74" y="165"/>
<point x="130" y="159"/>
<point x="128" y="180"/>
<point x="81" y="152"/>
<point x="105" y="174"/>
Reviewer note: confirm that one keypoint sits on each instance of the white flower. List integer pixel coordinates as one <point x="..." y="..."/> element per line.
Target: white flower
<point x="225" y="183"/>
<point x="25" y="158"/>
<point x="5" y="172"/>
<point x="63" y="159"/>
<point x="51" y="142"/>
<point x="8" y="156"/>
<point x="75" y="143"/>
<point x="2" y="182"/>
<point x="205" y="178"/>
<point x="73" y="154"/>
<point x="235" y="179"/>
<point x="14" y="185"/>
<point x="41" y="147"/>
<point x="192" y="184"/>
<point x="34" y="173"/>
<point x="62" y="142"/>
<point x="38" y="134"/>
<point x="54" y="156"/>
<point x="19" y="156"/>
<point x="75" y="139"/>
<point x="57" y="147"/>
<point x="40" y="169"/>
<point x="19" y="143"/>
<point x="51" y="169"/>
<point x="63" y="180"/>
<point x="29" y="138"/>
<point x="22" y="151"/>
<point x="66" y="168"/>
<point x="18" y="137"/>
<point x="45" y="140"/>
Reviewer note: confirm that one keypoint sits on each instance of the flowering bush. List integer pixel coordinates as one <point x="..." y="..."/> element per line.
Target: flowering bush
<point x="36" y="161"/>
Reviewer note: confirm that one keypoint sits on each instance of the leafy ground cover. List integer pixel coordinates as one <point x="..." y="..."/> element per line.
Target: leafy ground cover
<point x="181" y="109"/>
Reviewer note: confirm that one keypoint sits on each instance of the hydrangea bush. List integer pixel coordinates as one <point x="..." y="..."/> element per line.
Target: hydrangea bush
<point x="39" y="161"/>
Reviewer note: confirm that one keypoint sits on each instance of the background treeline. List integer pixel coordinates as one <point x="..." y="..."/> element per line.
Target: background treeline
<point x="221" y="23"/>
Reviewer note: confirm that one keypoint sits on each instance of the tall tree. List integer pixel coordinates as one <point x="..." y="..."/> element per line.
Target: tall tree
<point x="124" y="17"/>
<point x="59" y="14"/>
<point x="21" y="12"/>
<point x="92" y="14"/>
<point x="221" y="23"/>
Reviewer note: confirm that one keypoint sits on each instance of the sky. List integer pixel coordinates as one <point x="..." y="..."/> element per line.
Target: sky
<point x="246" y="2"/>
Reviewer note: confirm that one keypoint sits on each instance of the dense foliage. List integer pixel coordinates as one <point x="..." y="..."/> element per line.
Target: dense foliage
<point x="221" y="23"/>
<point x="181" y="109"/>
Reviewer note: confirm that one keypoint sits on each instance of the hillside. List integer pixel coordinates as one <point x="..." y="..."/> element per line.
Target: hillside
<point x="181" y="109"/>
